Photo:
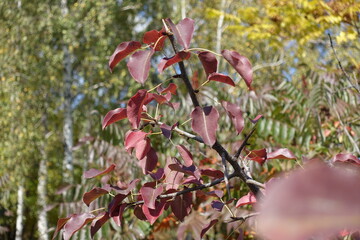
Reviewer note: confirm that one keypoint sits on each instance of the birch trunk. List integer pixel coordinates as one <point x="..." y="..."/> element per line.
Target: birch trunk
<point x="20" y="212"/>
<point x="219" y="28"/>
<point x="41" y="201"/>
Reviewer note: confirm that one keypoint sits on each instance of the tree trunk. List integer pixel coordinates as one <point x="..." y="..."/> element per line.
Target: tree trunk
<point x="219" y="28"/>
<point x="20" y="212"/>
<point x="41" y="200"/>
<point x="68" y="121"/>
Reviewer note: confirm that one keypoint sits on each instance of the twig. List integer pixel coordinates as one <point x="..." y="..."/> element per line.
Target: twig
<point x="341" y="67"/>
<point x="236" y="156"/>
<point x="243" y="218"/>
<point x="259" y="184"/>
<point x="226" y="175"/>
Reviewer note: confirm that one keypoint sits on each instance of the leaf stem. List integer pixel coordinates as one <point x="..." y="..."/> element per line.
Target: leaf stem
<point x="203" y="49"/>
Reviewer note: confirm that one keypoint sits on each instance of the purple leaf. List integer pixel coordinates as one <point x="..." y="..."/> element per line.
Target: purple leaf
<point x="245" y="200"/>
<point x="153" y="214"/>
<point x="172" y="178"/>
<point x="183" y="31"/>
<point x="60" y="224"/>
<point x="125" y="189"/>
<point x="148" y="163"/>
<point x="209" y="62"/>
<point x="114" y="204"/>
<point x="132" y="138"/>
<point x="94" y="172"/>
<point x="99" y="223"/>
<point x="181" y="206"/>
<point x="192" y="170"/>
<point x="114" y="116"/>
<point x="235" y="115"/>
<point x="139" y="65"/>
<point x="166" y="130"/>
<point x="282" y="153"/>
<point x="219" y="77"/>
<point x="212" y="173"/>
<point x="90" y="196"/>
<point x="118" y="213"/>
<point x="158" y="175"/>
<point x="205" y="122"/>
<point x="216" y="193"/>
<point x="138" y="212"/>
<point x="217" y="205"/>
<point x="135" y="107"/>
<point x="208" y="226"/>
<point x="241" y="64"/>
<point x="123" y="49"/>
<point x="186" y="155"/>
<point x="75" y="223"/>
<point x="142" y="148"/>
<point x="150" y="194"/>
<point x="167" y="62"/>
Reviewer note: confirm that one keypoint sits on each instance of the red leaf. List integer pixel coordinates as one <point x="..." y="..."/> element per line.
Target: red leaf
<point x="241" y="64"/>
<point x="75" y="223"/>
<point x="171" y="88"/>
<point x="209" y="62"/>
<point x="125" y="189"/>
<point x="139" y="65"/>
<point x="138" y="212"/>
<point x="282" y="153"/>
<point x="216" y="193"/>
<point x="217" y="205"/>
<point x="172" y="178"/>
<point x="235" y="115"/>
<point x="166" y="130"/>
<point x="94" y="172"/>
<point x="208" y="226"/>
<point x="212" y="173"/>
<point x="186" y="155"/>
<point x="159" y="98"/>
<point x="60" y="224"/>
<point x="153" y="214"/>
<point x="114" y="116"/>
<point x="219" y="77"/>
<point x="132" y="138"/>
<point x="99" y="223"/>
<point x="123" y="49"/>
<point x="346" y="157"/>
<point x="192" y="170"/>
<point x="183" y="31"/>
<point x="149" y="162"/>
<point x="181" y="206"/>
<point x="158" y="175"/>
<point x="259" y="156"/>
<point x="205" y="122"/>
<point x="155" y="37"/>
<point x="135" y="107"/>
<point x="256" y="119"/>
<point x="118" y="213"/>
<point x="247" y="199"/>
<point x="142" y="148"/>
<point x="114" y="204"/>
<point x="150" y="194"/>
<point x="90" y="196"/>
<point x="167" y="62"/>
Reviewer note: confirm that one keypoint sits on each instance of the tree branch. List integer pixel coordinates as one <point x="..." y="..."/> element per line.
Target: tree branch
<point x="236" y="156"/>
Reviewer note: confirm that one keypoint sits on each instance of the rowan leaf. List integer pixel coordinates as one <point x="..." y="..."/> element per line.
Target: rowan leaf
<point x="114" y="116"/>
<point x="205" y="122"/>
<point x="167" y="62"/>
<point x="241" y="64"/>
<point x="183" y="31"/>
<point x="209" y="62"/>
<point x="95" y="172"/>
<point x="122" y="50"/>
<point x="139" y="65"/>
<point x="235" y="115"/>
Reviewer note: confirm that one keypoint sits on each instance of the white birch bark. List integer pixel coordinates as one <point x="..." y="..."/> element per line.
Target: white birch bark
<point x="20" y="212"/>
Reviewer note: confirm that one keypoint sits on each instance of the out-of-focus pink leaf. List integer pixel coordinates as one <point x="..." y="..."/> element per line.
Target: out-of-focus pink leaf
<point x="122" y="50"/>
<point x="102" y="219"/>
<point x="118" y="213"/>
<point x="94" y="172"/>
<point x="241" y="64"/>
<point x="282" y="153"/>
<point x="142" y="148"/>
<point x="172" y="178"/>
<point x="191" y="170"/>
<point x="159" y="98"/>
<point x="132" y="138"/>
<point x="148" y="163"/>
<point x="135" y="106"/>
<point x="318" y="202"/>
<point x="259" y="156"/>
<point x="171" y="88"/>
<point x="153" y="214"/>
<point x="194" y="222"/>
<point x="181" y="206"/>
<point x="150" y="194"/>
<point x="186" y="155"/>
<point x="155" y="37"/>
<point x="114" y="116"/>
<point x="138" y="212"/>
<point x="245" y="200"/>
<point x="208" y="226"/>
<point x="209" y="62"/>
<point x="346" y="157"/>
<point x="217" y="205"/>
<point x="93" y="194"/>
<point x="183" y="31"/>
<point x="60" y="224"/>
<point x="192" y="180"/>
<point x="235" y="115"/>
<point x="256" y="119"/>
<point x="125" y="189"/>
<point x="114" y="204"/>
<point x="219" y="77"/>
<point x="212" y="173"/>
<point x="167" y="62"/>
<point x="75" y="223"/>
<point x="166" y="130"/>
<point x="205" y="122"/>
<point x="139" y="65"/>
<point x="216" y="193"/>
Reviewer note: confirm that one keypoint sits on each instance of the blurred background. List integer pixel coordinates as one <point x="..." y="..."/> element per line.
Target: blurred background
<point x="55" y="89"/>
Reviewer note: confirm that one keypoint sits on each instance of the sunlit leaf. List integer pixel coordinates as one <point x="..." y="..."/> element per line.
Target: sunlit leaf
<point x="183" y="31"/>
<point x="205" y="122"/>
<point x="139" y="65"/>
<point x="122" y="50"/>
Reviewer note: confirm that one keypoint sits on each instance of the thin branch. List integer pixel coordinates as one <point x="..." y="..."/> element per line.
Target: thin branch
<point x="236" y="156"/>
<point x="243" y="218"/>
<point x="340" y="65"/>
<point x="226" y="175"/>
<point x="259" y="184"/>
